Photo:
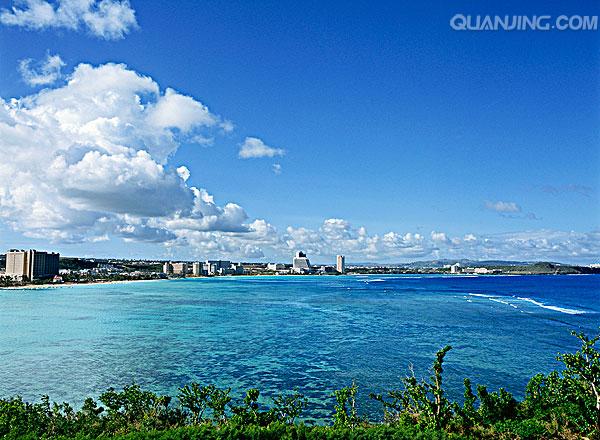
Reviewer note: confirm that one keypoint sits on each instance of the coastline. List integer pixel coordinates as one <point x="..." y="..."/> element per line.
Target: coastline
<point x="71" y="284"/>
<point x="408" y="275"/>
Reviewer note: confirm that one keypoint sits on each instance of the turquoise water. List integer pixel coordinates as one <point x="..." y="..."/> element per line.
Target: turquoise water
<point x="315" y="334"/>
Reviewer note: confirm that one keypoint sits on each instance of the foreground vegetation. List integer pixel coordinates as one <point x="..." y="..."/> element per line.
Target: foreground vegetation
<point x="563" y="404"/>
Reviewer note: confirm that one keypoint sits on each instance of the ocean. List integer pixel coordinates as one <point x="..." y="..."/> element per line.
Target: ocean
<point x="310" y="333"/>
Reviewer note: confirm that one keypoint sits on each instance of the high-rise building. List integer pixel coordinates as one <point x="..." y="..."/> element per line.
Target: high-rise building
<point x="198" y="269"/>
<point x="238" y="268"/>
<point x="218" y="267"/>
<point x="180" y="268"/>
<point x="167" y="268"/>
<point x="340" y="264"/>
<point x="31" y="264"/>
<point x="300" y="263"/>
<point x="455" y="268"/>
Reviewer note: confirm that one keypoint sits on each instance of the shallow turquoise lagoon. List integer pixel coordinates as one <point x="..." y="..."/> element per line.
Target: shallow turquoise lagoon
<point x="315" y="334"/>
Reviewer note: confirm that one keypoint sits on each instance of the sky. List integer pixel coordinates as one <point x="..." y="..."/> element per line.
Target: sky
<point x="250" y="130"/>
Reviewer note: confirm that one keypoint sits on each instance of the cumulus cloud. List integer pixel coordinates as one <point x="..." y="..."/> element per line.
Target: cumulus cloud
<point x="258" y="240"/>
<point x="205" y="215"/>
<point x="174" y="110"/>
<point x="91" y="158"/>
<point x="277" y="168"/>
<point x="184" y="173"/>
<point x="107" y="19"/>
<point x="254" y="148"/>
<point x="338" y="236"/>
<point x="469" y="238"/>
<point x="43" y="73"/>
<point x="439" y="237"/>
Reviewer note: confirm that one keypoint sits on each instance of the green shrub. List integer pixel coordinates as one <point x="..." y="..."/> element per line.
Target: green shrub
<point x="423" y="401"/>
<point x="346" y="415"/>
<point x="572" y="397"/>
<point x="527" y="429"/>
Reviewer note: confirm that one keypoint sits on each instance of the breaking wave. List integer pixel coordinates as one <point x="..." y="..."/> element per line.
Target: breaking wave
<point x="555" y="308"/>
<point x="505" y="300"/>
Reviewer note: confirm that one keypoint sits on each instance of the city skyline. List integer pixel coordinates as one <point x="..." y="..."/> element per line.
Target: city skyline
<point x="248" y="132"/>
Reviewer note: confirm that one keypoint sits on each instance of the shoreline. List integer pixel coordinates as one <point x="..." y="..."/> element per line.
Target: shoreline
<point x="71" y="284"/>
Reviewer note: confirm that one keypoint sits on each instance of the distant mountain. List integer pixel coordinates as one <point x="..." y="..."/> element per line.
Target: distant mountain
<point x="445" y="262"/>
<point x="466" y="262"/>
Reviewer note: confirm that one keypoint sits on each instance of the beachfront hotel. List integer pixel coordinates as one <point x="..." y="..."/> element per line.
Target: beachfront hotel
<point x="175" y="268"/>
<point x="300" y="263"/>
<point x="31" y="264"/>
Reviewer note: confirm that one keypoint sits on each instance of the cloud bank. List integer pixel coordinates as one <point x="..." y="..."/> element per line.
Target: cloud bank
<point x="338" y="236"/>
<point x="107" y="19"/>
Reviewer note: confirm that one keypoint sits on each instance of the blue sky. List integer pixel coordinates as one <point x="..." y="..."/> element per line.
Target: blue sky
<point x="390" y="120"/>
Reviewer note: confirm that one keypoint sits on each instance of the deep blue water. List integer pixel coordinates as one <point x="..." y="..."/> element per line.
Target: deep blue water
<point x="315" y="334"/>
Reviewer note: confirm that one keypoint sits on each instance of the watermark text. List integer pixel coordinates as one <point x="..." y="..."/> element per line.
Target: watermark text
<point x="462" y="22"/>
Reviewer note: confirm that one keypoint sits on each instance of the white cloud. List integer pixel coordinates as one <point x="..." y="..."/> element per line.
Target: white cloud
<point x="184" y="173"/>
<point x="470" y="238"/>
<point x="119" y="183"/>
<point x="439" y="237"/>
<point x="178" y="111"/>
<point x="91" y="158"/>
<point x="503" y="207"/>
<point x="110" y="19"/>
<point x="510" y="210"/>
<point x="227" y="126"/>
<point x="538" y="245"/>
<point x="338" y="236"/>
<point x="107" y="19"/>
<point x="259" y="239"/>
<point x="199" y="139"/>
<point x="254" y="147"/>
<point x="277" y="168"/>
<point x="205" y="215"/>
<point x="143" y="233"/>
<point x="44" y="73"/>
